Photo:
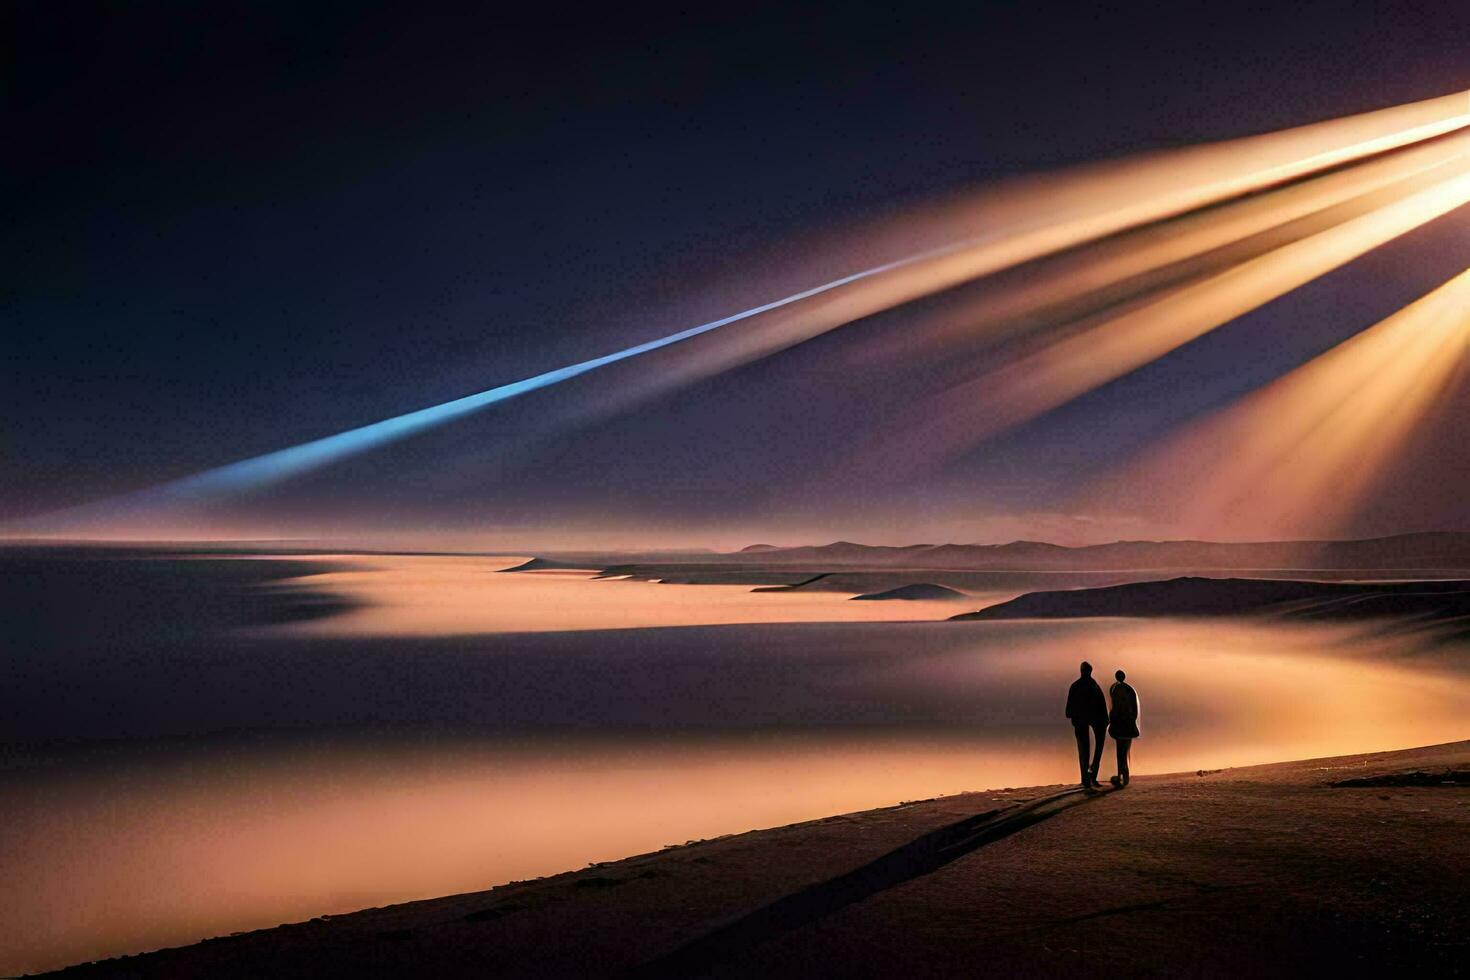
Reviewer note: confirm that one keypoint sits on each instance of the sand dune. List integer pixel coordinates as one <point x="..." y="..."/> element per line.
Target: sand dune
<point x="1200" y="873"/>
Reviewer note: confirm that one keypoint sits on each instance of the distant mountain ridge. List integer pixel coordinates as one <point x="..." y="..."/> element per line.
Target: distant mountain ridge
<point x="1429" y="549"/>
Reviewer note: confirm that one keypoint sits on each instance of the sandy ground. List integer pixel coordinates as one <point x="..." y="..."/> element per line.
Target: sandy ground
<point x="1268" y="870"/>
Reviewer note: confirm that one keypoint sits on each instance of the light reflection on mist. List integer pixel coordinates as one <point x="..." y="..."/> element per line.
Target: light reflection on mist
<point x="149" y="849"/>
<point x="429" y="595"/>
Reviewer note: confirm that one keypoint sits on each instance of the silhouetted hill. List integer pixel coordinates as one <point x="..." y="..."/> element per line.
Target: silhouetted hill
<point x="1436" y="600"/>
<point x="538" y="563"/>
<point x="919" y="590"/>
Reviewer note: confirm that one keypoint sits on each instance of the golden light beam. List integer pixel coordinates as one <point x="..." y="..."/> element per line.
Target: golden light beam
<point x="1029" y="218"/>
<point x="1300" y="455"/>
<point x="1015" y="223"/>
<point x="1112" y="346"/>
<point x="1081" y="281"/>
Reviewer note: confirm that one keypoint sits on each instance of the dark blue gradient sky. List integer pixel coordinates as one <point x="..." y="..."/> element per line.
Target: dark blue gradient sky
<point x="235" y="227"/>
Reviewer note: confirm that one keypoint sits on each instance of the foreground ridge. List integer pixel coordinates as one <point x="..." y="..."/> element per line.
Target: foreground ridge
<point x="1324" y="865"/>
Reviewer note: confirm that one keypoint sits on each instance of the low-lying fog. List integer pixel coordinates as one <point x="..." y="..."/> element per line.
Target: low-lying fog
<point x="201" y="745"/>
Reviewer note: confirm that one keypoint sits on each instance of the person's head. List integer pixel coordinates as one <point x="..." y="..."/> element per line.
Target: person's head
<point x="1119" y="674"/>
<point x="1086" y="669"/>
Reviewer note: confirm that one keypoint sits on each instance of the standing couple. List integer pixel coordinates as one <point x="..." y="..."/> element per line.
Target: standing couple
<point x="1088" y="711"/>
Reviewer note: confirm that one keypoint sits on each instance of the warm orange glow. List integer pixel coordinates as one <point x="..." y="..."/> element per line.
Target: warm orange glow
<point x="133" y="855"/>
<point x="1180" y="217"/>
<point x="1301" y="454"/>
<point x="1027" y="219"/>
<point x="1084" y="280"/>
<point x="1097" y="352"/>
<point x="435" y="595"/>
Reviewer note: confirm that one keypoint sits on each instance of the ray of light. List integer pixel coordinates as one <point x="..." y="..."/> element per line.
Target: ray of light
<point x="1021" y="222"/>
<point x="1303" y="452"/>
<point x="1113" y="345"/>
<point x="1083" y="280"/>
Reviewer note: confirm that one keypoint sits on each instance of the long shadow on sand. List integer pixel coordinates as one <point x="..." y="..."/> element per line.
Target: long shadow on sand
<point x="921" y="856"/>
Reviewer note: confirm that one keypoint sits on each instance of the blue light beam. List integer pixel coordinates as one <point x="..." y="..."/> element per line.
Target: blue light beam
<point x="1085" y="207"/>
<point x="261" y="471"/>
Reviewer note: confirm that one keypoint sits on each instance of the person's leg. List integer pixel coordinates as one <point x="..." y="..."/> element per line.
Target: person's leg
<point x="1099" y="736"/>
<point x="1081" y="732"/>
<point x="1125" y="745"/>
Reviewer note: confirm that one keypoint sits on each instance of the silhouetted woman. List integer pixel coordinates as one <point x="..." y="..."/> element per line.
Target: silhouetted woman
<point x="1122" y="724"/>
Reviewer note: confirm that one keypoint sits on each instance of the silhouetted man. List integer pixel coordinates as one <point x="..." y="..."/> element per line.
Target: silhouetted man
<point x="1088" y="710"/>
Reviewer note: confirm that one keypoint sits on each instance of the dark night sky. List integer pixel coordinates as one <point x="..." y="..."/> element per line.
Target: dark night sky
<point x="231" y="228"/>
